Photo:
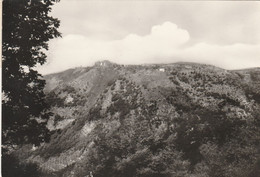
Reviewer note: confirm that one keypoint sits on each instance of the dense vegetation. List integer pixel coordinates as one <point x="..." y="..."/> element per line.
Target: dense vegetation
<point x="188" y="120"/>
<point x="27" y="28"/>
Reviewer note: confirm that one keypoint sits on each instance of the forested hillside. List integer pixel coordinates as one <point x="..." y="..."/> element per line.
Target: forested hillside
<point x="161" y="120"/>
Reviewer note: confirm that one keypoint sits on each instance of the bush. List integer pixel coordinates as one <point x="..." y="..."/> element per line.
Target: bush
<point x="12" y="167"/>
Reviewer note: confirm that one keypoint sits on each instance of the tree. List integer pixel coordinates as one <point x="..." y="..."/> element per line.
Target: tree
<point x="27" y="28"/>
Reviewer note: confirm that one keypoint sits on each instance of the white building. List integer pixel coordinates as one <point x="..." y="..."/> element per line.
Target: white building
<point x="162" y="69"/>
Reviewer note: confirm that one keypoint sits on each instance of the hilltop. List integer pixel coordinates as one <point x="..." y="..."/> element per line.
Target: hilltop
<point x="180" y="119"/>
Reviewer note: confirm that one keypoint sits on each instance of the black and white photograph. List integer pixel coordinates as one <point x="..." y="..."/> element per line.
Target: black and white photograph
<point x="143" y="88"/>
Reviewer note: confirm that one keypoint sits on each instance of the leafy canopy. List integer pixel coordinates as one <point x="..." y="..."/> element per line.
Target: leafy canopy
<point x="27" y="28"/>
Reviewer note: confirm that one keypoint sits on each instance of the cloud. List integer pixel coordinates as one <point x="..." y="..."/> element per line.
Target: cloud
<point x="162" y="41"/>
<point x="164" y="44"/>
<point x="218" y="22"/>
<point x="235" y="56"/>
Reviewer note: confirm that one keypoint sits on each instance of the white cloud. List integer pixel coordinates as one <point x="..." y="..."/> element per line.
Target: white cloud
<point x="234" y="56"/>
<point x="165" y="43"/>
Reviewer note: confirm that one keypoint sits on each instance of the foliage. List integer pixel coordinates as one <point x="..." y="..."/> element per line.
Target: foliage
<point x="200" y="121"/>
<point x="11" y="167"/>
<point x="27" y="27"/>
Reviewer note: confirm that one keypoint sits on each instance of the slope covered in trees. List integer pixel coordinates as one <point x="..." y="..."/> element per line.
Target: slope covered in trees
<point x="178" y="119"/>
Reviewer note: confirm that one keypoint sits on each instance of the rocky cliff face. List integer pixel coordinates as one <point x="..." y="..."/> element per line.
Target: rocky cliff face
<point x="181" y="119"/>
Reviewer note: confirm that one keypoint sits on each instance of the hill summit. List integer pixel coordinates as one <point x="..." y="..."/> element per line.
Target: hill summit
<point x="104" y="63"/>
<point x="159" y="120"/>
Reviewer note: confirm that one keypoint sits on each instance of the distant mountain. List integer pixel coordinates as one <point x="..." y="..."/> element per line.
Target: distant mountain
<point x="160" y="120"/>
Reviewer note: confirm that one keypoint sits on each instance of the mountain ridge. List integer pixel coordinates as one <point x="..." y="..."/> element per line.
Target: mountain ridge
<point x="149" y="64"/>
<point x="151" y="120"/>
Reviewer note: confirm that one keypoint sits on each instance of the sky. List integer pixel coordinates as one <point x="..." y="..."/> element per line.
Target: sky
<point x="221" y="33"/>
